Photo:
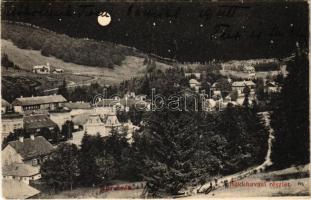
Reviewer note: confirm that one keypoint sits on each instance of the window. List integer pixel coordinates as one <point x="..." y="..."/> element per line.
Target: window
<point x="34" y="162"/>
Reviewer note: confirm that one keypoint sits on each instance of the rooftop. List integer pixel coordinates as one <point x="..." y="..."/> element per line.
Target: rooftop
<point x="77" y="105"/>
<point x="243" y="83"/>
<point x="11" y="115"/>
<point x="31" y="148"/>
<point x="38" y="121"/>
<point x="13" y="189"/>
<point x="20" y="169"/>
<point x="28" y="101"/>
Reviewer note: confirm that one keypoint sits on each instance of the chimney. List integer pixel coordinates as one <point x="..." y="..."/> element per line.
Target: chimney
<point x="32" y="137"/>
<point x="21" y="138"/>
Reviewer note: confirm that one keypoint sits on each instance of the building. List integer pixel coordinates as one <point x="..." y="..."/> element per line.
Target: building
<point x="130" y="128"/>
<point x="11" y="122"/>
<point x="21" y="172"/>
<point x="249" y="69"/>
<point x="41" y="69"/>
<point x="240" y="85"/>
<point x="124" y="104"/>
<point x="36" y="123"/>
<point x="5" y="106"/>
<point x="209" y="105"/>
<point x="51" y="102"/>
<point x="196" y="75"/>
<point x="272" y="87"/>
<point x="194" y="84"/>
<point x="58" y="71"/>
<point x="31" y="151"/>
<point x="111" y="121"/>
<point x="13" y="189"/>
<point x="60" y="117"/>
<point x="94" y="125"/>
<point x="77" y="108"/>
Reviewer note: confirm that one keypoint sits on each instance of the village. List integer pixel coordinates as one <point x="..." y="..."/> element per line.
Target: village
<point x="47" y="121"/>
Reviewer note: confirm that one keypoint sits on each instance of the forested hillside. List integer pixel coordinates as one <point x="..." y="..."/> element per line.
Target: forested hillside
<point x="80" y="51"/>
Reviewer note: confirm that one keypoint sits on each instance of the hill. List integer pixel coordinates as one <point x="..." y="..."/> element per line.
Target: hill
<point x="81" y="51"/>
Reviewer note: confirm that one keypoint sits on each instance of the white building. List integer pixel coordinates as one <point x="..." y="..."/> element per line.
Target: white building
<point x="21" y="172"/>
<point x="41" y="69"/>
<point x="94" y="125"/>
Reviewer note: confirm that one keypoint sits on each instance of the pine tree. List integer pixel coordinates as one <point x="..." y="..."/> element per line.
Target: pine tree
<point x="91" y="149"/>
<point x="290" y="118"/>
<point x="61" y="170"/>
<point x="62" y="90"/>
<point x="171" y="138"/>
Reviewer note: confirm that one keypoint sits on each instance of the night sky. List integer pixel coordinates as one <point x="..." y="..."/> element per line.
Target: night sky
<point x="185" y="31"/>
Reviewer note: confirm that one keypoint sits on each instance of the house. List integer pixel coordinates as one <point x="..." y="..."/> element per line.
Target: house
<point x="21" y="172"/>
<point x="249" y="69"/>
<point x="240" y="85"/>
<point x="111" y="121"/>
<point x="94" y="125"/>
<point x="131" y="128"/>
<point x="5" y="106"/>
<point x="60" y="116"/>
<point x="36" y="123"/>
<point x="10" y="122"/>
<point x="209" y="105"/>
<point x="41" y="69"/>
<point x="51" y="102"/>
<point x="31" y="151"/>
<point x="196" y="75"/>
<point x="57" y="71"/>
<point x="272" y="87"/>
<point x="124" y="104"/>
<point x="13" y="189"/>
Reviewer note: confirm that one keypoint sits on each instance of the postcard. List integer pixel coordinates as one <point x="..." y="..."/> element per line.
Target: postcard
<point x="155" y="99"/>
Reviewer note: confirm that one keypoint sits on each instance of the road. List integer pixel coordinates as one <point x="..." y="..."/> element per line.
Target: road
<point x="74" y="85"/>
<point x="265" y="116"/>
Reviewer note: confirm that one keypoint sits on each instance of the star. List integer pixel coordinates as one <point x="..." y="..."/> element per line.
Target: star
<point x="291" y="25"/>
<point x="201" y="25"/>
<point x="74" y="12"/>
<point x="60" y="19"/>
<point x="170" y="21"/>
<point x="271" y="41"/>
<point x="169" y="50"/>
<point x="153" y="23"/>
<point x="119" y="19"/>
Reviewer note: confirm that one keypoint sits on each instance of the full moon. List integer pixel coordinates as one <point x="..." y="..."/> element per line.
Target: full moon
<point x="104" y="18"/>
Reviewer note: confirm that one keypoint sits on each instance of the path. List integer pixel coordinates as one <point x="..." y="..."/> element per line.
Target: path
<point x="74" y="85"/>
<point x="265" y="116"/>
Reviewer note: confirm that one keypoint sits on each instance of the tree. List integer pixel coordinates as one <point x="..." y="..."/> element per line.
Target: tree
<point x="171" y="138"/>
<point x="290" y="117"/>
<point x="260" y="93"/>
<point x="96" y="164"/>
<point x="67" y="129"/>
<point x="13" y="136"/>
<point x="106" y="167"/>
<point x="246" y="92"/>
<point x="224" y="86"/>
<point x="62" y="90"/>
<point x="61" y="170"/>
